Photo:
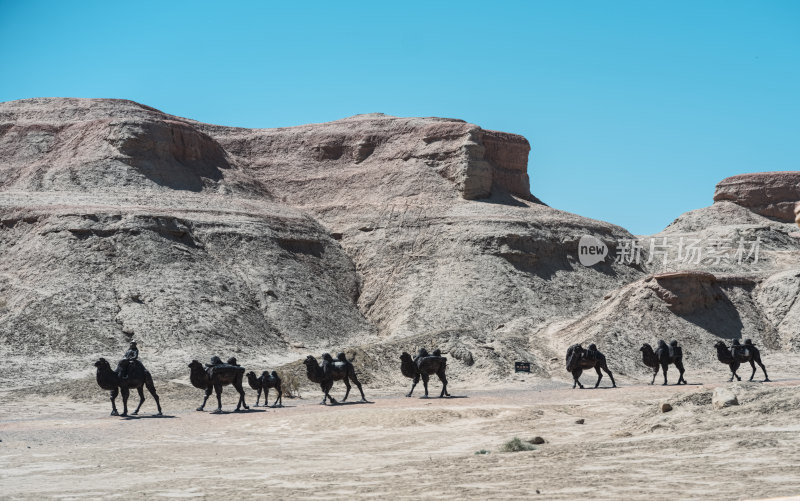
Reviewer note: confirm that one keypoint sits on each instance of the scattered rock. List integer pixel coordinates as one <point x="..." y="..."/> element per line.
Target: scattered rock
<point x="580" y="421"/>
<point x="665" y="407"/>
<point x="723" y="397"/>
<point x="537" y="440"/>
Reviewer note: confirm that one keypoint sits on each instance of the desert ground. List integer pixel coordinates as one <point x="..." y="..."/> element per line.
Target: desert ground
<point x="58" y="441"/>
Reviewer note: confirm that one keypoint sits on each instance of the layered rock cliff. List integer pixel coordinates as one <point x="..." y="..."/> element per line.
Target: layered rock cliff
<point x="770" y="194"/>
<point x="118" y="222"/>
<point x="377" y="233"/>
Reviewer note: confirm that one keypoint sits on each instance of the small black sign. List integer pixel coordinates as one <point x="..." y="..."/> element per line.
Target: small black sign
<point x="522" y="366"/>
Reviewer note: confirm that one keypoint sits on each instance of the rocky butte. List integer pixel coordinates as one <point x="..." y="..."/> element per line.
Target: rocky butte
<point x="375" y="233"/>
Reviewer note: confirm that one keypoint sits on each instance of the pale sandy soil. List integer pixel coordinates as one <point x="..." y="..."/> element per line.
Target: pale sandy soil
<point x="57" y="446"/>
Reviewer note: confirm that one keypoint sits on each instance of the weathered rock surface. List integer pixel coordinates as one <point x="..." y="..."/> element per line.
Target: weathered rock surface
<point x="770" y="194"/>
<point x="374" y="233"/>
<point x="797" y="213"/>
<point x="120" y="222"/>
<point x="723" y="397"/>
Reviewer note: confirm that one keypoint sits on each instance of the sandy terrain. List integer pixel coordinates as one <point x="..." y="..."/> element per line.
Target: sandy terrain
<point x="64" y="445"/>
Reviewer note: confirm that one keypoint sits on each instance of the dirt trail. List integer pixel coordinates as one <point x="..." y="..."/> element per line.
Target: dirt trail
<point x="415" y="448"/>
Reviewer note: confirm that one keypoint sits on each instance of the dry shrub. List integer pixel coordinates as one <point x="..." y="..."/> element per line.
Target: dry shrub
<point x="290" y="384"/>
<point x="517" y="445"/>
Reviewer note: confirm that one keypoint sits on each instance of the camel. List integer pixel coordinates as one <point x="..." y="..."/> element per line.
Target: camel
<point x="423" y="367"/>
<point x="264" y="382"/>
<point x="745" y="353"/>
<point x="662" y="357"/>
<point x="330" y="371"/>
<point x="214" y="378"/>
<point x="113" y="381"/>
<point x="579" y="359"/>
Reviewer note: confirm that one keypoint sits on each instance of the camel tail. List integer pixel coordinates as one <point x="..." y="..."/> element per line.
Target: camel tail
<point x="148" y="382"/>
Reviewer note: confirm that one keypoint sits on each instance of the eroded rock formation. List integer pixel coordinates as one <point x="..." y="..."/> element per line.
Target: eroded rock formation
<point x="120" y="221"/>
<point x="380" y="233"/>
<point x="771" y="194"/>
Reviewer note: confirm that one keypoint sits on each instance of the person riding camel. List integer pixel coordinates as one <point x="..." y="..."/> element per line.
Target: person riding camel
<point x="674" y="350"/>
<point x="129" y="358"/>
<point x="215" y="360"/>
<point x="422" y="353"/>
<point x="736" y="349"/>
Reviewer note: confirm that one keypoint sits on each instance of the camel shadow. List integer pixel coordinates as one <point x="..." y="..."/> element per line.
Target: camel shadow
<point x="241" y="411"/>
<point x="442" y="398"/>
<point x="339" y="404"/>
<point x="151" y="416"/>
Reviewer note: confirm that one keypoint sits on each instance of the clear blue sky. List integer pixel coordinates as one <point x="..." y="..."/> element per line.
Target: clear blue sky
<point x="635" y="110"/>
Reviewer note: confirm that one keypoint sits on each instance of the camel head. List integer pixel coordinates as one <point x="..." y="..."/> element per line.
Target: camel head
<point x="720" y="344"/>
<point x="405" y="357"/>
<point x="310" y="361"/>
<point x="196" y="365"/>
<point x="646" y="347"/>
<point x="251" y="375"/>
<point x="102" y="362"/>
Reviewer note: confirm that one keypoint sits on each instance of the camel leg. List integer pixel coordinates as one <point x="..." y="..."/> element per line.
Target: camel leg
<point x="258" y="397"/>
<point x="113" y="395"/>
<point x="733" y="366"/>
<point x="655" y="373"/>
<point x="125" y="393"/>
<point x="664" y="367"/>
<point x="599" y="375"/>
<point x="443" y="379"/>
<point x="358" y="385"/>
<point x="681" y="370"/>
<point x="576" y="374"/>
<point x="604" y="366"/>
<point x="148" y="381"/>
<point x="141" y="400"/>
<point x="752" y="366"/>
<point x="413" y="384"/>
<point x="218" y="391"/>
<point x="758" y="361"/>
<point x="208" y="394"/>
<point x="240" y="389"/>
<point x="425" y="379"/>
<point x="280" y="397"/>
<point x="329" y="387"/>
<point x="347" y="386"/>
<point x="326" y="388"/>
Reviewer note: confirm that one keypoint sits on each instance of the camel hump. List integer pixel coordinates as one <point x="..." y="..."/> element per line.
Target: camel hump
<point x="225" y="369"/>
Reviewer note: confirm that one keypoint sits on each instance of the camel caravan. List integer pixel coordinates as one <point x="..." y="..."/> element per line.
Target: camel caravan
<point x="212" y="377"/>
